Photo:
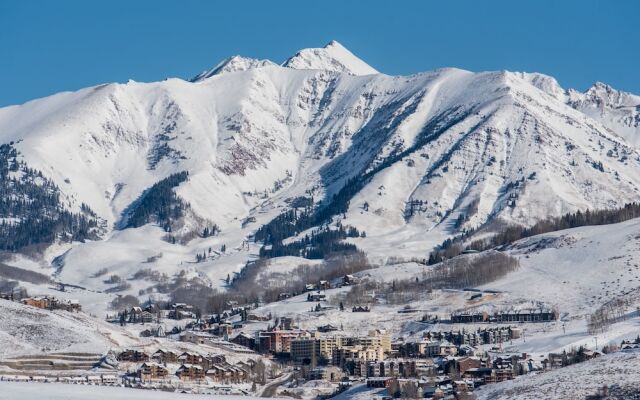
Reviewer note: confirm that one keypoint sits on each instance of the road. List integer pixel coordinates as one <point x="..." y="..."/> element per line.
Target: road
<point x="270" y="389"/>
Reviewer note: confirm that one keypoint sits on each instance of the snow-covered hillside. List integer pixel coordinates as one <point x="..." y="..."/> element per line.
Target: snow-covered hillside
<point x="618" y="371"/>
<point x="30" y="330"/>
<point x="54" y="391"/>
<point x="574" y="271"/>
<point x="439" y="151"/>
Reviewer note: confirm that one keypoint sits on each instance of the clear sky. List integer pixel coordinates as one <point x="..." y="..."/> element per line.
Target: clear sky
<point x="51" y="46"/>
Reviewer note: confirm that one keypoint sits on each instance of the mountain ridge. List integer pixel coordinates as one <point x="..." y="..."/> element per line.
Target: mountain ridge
<point x="413" y="159"/>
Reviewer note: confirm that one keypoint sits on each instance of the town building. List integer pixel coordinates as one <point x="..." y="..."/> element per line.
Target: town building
<point x="151" y="371"/>
<point x="190" y="373"/>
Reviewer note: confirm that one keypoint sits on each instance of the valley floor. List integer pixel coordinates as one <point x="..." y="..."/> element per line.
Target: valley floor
<point x="59" y="391"/>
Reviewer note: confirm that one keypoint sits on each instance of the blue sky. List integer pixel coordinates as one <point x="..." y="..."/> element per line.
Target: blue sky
<point x="47" y="47"/>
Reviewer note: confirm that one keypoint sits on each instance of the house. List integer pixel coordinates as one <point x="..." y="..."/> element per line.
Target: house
<point x="153" y="308"/>
<point x="327" y="328"/>
<point x="466" y="363"/>
<point x="330" y="373"/>
<point x="196" y="337"/>
<point x="284" y="296"/>
<point x="146" y="317"/>
<point x="441" y="348"/>
<point x="349" y="280"/>
<point x="477" y="373"/>
<point x="245" y="340"/>
<point x="433" y="392"/>
<point x="556" y="360"/>
<point x="461" y="386"/>
<point x="324" y="285"/>
<point x="110" y="380"/>
<point x="181" y="311"/>
<point x="225" y="372"/>
<point x="43" y="302"/>
<point x="316" y="297"/>
<point x="394" y="368"/>
<point x="191" y="359"/>
<point x="256" y="317"/>
<point x="151" y="371"/>
<point x="469" y="317"/>
<point x="164" y="357"/>
<point x="190" y="373"/>
<point x="246" y="366"/>
<point x="382" y="382"/>
<point x="133" y="356"/>
<point x="222" y="329"/>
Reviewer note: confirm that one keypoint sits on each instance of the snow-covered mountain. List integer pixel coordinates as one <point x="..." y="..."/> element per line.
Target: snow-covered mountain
<point x="232" y="64"/>
<point x="426" y="155"/>
<point x="332" y="57"/>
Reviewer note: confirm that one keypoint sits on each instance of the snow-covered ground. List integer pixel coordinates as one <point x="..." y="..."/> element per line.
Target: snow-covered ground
<point x="575" y="271"/>
<point x="58" y="391"/>
<point x="29" y="330"/>
<point x="577" y="381"/>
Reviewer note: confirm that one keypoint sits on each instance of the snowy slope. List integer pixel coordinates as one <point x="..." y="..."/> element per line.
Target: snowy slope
<point x="577" y="269"/>
<point x="619" y="370"/>
<point x="29" y="330"/>
<point x="332" y="57"/>
<point x="436" y="146"/>
<point x="619" y="111"/>
<point x="56" y="391"/>
<point x="232" y="64"/>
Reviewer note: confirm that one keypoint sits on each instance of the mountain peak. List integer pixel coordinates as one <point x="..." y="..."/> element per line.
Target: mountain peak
<point x="232" y="64"/>
<point x="332" y="57"/>
<point x="605" y="94"/>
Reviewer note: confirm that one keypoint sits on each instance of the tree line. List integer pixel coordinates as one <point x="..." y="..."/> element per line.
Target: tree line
<point x="316" y="245"/>
<point x="466" y="271"/>
<point x="159" y="204"/>
<point x="31" y="210"/>
<point x="511" y="233"/>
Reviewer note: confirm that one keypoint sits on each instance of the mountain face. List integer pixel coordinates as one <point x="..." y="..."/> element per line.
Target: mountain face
<point x="232" y="64"/>
<point x="332" y="57"/>
<point x="412" y="159"/>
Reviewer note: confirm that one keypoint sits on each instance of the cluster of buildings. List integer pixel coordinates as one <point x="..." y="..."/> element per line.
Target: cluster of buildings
<point x="154" y="313"/>
<point x="454" y="342"/>
<point x="516" y="315"/>
<point x="105" y="380"/>
<point x="52" y="303"/>
<point x="440" y="364"/>
<point x="187" y="367"/>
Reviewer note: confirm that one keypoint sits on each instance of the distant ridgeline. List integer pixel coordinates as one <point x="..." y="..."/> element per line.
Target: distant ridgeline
<point x="31" y="211"/>
<point x="159" y="204"/>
